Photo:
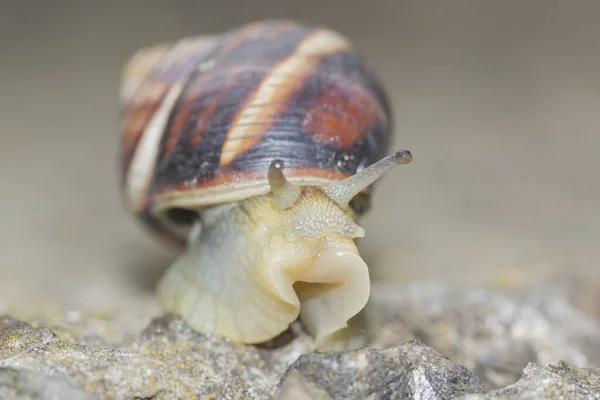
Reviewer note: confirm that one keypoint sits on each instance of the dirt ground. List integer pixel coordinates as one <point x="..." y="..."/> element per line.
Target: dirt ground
<point x="497" y="100"/>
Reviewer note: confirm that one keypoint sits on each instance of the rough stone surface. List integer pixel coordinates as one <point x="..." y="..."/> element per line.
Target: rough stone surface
<point x="25" y="385"/>
<point x="408" y="371"/>
<point x="502" y="343"/>
<point x="168" y="361"/>
<point x="493" y="334"/>
<point x="171" y="361"/>
<point x="550" y="383"/>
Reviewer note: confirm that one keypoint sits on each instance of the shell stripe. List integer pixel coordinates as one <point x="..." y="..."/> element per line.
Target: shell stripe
<point x="336" y="110"/>
<point x="275" y="89"/>
<point x="197" y="84"/>
<point x="212" y="101"/>
<point x="346" y="108"/>
<point x="146" y="81"/>
<point x="355" y="69"/>
<point x="327" y="109"/>
<point x="142" y="165"/>
<point x="150" y="77"/>
<point x="199" y="123"/>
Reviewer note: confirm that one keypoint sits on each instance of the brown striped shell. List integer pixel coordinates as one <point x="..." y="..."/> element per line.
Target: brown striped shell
<point x="203" y="118"/>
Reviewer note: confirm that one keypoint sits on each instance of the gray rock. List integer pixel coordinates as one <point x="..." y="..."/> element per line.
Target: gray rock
<point x="26" y="385"/>
<point x="550" y="383"/>
<point x="168" y="361"/>
<point x="299" y="387"/>
<point x="494" y="334"/>
<point x="412" y="370"/>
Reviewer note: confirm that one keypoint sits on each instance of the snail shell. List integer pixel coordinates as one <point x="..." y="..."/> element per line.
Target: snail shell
<point x="255" y="149"/>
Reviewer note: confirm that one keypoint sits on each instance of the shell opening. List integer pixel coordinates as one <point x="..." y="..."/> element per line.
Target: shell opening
<point x="343" y="192"/>
<point x="284" y="193"/>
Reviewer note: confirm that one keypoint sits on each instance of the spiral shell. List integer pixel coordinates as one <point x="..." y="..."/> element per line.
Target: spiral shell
<point x="203" y="118"/>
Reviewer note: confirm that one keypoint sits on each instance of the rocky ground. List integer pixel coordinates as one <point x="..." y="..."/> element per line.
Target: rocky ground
<point x="428" y="342"/>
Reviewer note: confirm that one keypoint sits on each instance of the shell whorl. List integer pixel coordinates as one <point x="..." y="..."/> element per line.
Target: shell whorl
<point x="204" y="118"/>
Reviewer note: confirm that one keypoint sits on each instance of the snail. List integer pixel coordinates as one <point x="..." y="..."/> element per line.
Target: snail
<point x="256" y="149"/>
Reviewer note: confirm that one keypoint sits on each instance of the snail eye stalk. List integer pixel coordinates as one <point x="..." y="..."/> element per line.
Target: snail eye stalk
<point x="343" y="192"/>
<point x="284" y="193"/>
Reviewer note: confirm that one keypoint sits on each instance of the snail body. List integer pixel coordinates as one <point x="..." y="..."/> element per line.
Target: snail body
<point x="255" y="150"/>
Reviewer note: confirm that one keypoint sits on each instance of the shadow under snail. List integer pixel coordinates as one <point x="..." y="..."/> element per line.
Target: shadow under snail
<point x="256" y="150"/>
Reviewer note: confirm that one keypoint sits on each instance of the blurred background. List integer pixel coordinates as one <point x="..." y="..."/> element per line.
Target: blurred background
<point x="497" y="100"/>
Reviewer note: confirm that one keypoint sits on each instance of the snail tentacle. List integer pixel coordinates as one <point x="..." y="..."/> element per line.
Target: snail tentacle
<point x="344" y="191"/>
<point x="284" y="193"/>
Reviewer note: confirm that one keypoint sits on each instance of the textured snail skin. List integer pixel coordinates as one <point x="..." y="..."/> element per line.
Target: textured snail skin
<point x="236" y="277"/>
<point x="203" y="119"/>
